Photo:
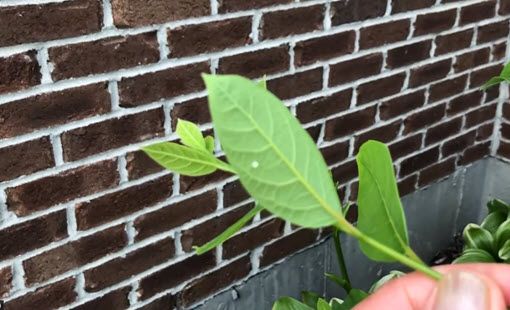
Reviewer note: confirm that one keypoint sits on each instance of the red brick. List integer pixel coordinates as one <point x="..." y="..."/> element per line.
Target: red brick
<point x="30" y="235"/>
<point x="71" y="255"/>
<point x="381" y="34"/>
<point x="174" y="215"/>
<point x="408" y="54"/>
<point x="355" y="69"/>
<point x="385" y="133"/>
<point x="129" y="13"/>
<point x="113" y="133"/>
<point x="117" y="299"/>
<point x="215" y="281"/>
<point x="356" y="10"/>
<point x="234" y="193"/>
<point x="195" y="111"/>
<point x="453" y="42"/>
<point x="475" y="153"/>
<point x="117" y="204"/>
<point x="344" y="173"/>
<point x="122" y="268"/>
<point x="189" y="184"/>
<point x="326" y="47"/>
<point x="436" y="172"/>
<point x="480" y="115"/>
<point x="406" y="146"/>
<point x="349" y="123"/>
<point x="276" y="24"/>
<point x="206" y="231"/>
<point x="429" y="73"/>
<point x="409" y="5"/>
<point x="258" y="63"/>
<point x="173" y="275"/>
<point x="419" y="161"/>
<point x="434" y="22"/>
<point x="477" y="12"/>
<point x="424" y="118"/>
<point x="236" y="5"/>
<point x="448" y="88"/>
<point x="52" y="296"/>
<point x="492" y="32"/>
<point x="19" y="71"/>
<point x="472" y="59"/>
<point x="252" y="238"/>
<point x="322" y="107"/>
<point x="25" y="158"/>
<point x="297" y="84"/>
<point x="287" y="245"/>
<point x="401" y="105"/>
<point x="163" y="84"/>
<point x="335" y="153"/>
<point x="139" y="164"/>
<point x="458" y="144"/>
<point x="51" y="109"/>
<point x="380" y="88"/>
<point x="464" y="102"/>
<point x="50" y="21"/>
<point x="443" y="131"/>
<point x="5" y="281"/>
<point x="209" y="37"/>
<point x="43" y="193"/>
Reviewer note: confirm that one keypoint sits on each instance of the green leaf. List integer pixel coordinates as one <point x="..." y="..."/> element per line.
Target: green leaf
<point x="190" y="135"/>
<point x="354" y="297"/>
<point x="394" y="274"/>
<point x="310" y="298"/>
<point x="502" y="234"/>
<point x="229" y="232"/>
<point x="263" y="82"/>
<point x="474" y="256"/>
<point x="380" y="212"/>
<point x="492" y="82"/>
<point x="323" y="305"/>
<point x="504" y="252"/>
<point x="288" y="303"/>
<point x="276" y="160"/>
<point x="336" y="304"/>
<point x="505" y="73"/>
<point x="496" y="205"/>
<point x="337" y="280"/>
<point x="209" y="144"/>
<point x="184" y="160"/>
<point x="475" y="237"/>
<point x="492" y="222"/>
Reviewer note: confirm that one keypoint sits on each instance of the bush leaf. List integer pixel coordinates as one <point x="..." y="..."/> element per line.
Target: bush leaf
<point x="503" y="233"/>
<point x="302" y="190"/>
<point x="310" y="298"/>
<point x="474" y="256"/>
<point x="288" y="303"/>
<point x="323" y="305"/>
<point x="504" y="251"/>
<point x="475" y="237"/>
<point x="496" y="205"/>
<point x="381" y="215"/>
<point x="492" y="222"/>
<point x="354" y="297"/>
<point x="229" y="232"/>
<point x="190" y="135"/>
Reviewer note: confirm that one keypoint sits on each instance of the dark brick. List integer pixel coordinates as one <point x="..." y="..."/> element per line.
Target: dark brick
<point x="30" y="235"/>
<point x="458" y="144"/>
<point x="352" y="70"/>
<point x="173" y="275"/>
<point x="236" y="5"/>
<point x="505" y="130"/>
<point x="380" y="88"/>
<point x="434" y="22"/>
<point x="188" y="184"/>
<point x="168" y="301"/>
<point x="175" y="215"/>
<point x="424" y="118"/>
<point x="104" y="55"/>
<point x="129" y="13"/>
<point x="117" y="299"/>
<point x="419" y="161"/>
<point x="447" y="88"/>
<point x="408" y="54"/>
<point x="381" y="34"/>
<point x="112" y="206"/>
<point x="5" y="281"/>
<point x="195" y="111"/>
<point x="50" y="109"/>
<point x="121" y="268"/>
<point x="480" y="115"/>
<point x="19" y="71"/>
<point x="215" y="281"/>
<point x="314" y="132"/>
<point x="139" y="164"/>
<point x="472" y="59"/>
<point x="506" y="110"/>
<point x="499" y="51"/>
<point x="346" y="172"/>
<point x="209" y="37"/>
<point x="25" y="158"/>
<point x="401" y="105"/>
<point x="256" y="64"/>
<point x="384" y="133"/>
<point x="453" y="42"/>
<point x="491" y="94"/>
<point x="436" y="172"/>
<point x="322" y="107"/>
<point x="113" y="133"/>
<point x="43" y="193"/>
<point x="492" y="32"/>
<point x="429" y="73"/>
<point x="234" y="193"/>
<point x="443" y="131"/>
<point x="287" y="245"/>
<point x="349" y="123"/>
<point x="405" y="146"/>
<point x="335" y="153"/>
<point x="297" y="84"/>
<point x="326" y="47"/>
<point x="50" y="21"/>
<point x="407" y="185"/>
<point x="484" y="132"/>
<point x="480" y="76"/>
<point x="276" y="24"/>
<point x="356" y="10"/>
<point x="504" y="149"/>
<point x="163" y="84"/>
<point x="464" y="103"/>
<point x="475" y="153"/>
<point x="477" y="12"/>
<point x="52" y="296"/>
<point x="504" y="7"/>
<point x="409" y="5"/>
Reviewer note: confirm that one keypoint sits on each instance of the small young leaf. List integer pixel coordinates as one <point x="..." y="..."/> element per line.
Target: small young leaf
<point x="504" y="252"/>
<point x="475" y="237"/>
<point x="394" y="274"/>
<point x="288" y="303"/>
<point x="474" y="256"/>
<point x="492" y="82"/>
<point x="229" y="232"/>
<point x="323" y="305"/>
<point x="184" y="160"/>
<point x="380" y="212"/>
<point x="310" y="298"/>
<point x="209" y="144"/>
<point x="190" y="135"/>
<point x="493" y="221"/>
<point x="496" y="205"/>
<point x="502" y="234"/>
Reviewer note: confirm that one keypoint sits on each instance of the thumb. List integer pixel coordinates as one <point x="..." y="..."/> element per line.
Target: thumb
<point x="461" y="290"/>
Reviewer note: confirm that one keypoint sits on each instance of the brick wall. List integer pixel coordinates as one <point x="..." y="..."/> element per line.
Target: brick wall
<point x="86" y="220"/>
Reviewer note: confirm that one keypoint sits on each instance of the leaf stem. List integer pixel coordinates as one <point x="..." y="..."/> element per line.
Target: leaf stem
<point x="341" y="260"/>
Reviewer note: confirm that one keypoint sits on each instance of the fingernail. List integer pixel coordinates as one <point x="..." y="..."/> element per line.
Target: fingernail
<point x="462" y="290"/>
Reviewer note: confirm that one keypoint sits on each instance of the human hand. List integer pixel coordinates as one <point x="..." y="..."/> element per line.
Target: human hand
<point x="464" y="286"/>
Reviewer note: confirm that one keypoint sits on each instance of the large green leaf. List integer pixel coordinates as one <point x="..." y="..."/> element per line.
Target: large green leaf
<point x="475" y="237"/>
<point x="184" y="160"/>
<point x="492" y="222"/>
<point x="276" y="160"/>
<point x="190" y="135"/>
<point x="380" y="212"/>
<point x="474" y="256"/>
<point x="288" y="303"/>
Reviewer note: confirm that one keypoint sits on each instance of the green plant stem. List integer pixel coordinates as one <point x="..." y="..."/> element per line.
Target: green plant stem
<point x="341" y="260"/>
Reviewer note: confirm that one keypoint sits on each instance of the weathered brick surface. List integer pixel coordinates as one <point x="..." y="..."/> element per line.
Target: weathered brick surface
<point x="276" y="24"/>
<point x="351" y="11"/>
<point x="5" y="280"/>
<point x="355" y="69"/>
<point x="313" y="50"/>
<point x="117" y="299"/>
<point x="25" y="158"/>
<point x="322" y="107"/>
<point x="287" y="245"/>
<point x="386" y="33"/>
<point x="52" y="296"/>
<point x="434" y="22"/>
<point x="19" y="71"/>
